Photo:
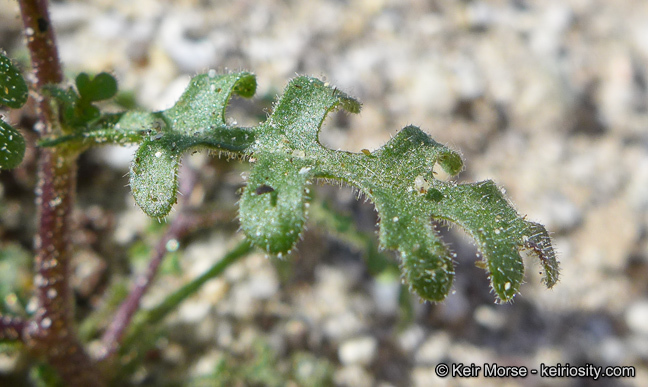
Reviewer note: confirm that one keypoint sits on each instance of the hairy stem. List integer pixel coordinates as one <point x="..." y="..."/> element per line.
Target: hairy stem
<point x="51" y="331"/>
<point x="41" y="42"/>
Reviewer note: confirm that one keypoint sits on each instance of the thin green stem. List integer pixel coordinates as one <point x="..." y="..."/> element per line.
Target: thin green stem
<point x="84" y="140"/>
<point x="152" y="316"/>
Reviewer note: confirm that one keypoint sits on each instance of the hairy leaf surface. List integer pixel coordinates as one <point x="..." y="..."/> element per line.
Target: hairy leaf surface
<point x="13" y="94"/>
<point x="197" y="120"/>
<point x="12" y="146"/>
<point x="287" y="157"/>
<point x="13" y="89"/>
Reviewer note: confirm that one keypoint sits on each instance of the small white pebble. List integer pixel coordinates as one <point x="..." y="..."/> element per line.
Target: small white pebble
<point x="52" y="293"/>
<point x="636" y="317"/>
<point x="46" y="323"/>
<point x="360" y="350"/>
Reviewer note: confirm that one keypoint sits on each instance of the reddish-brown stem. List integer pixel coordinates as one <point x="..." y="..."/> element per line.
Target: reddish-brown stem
<point x="115" y="332"/>
<point x="40" y="42"/>
<point x="11" y="328"/>
<point x="179" y="227"/>
<point x="51" y="331"/>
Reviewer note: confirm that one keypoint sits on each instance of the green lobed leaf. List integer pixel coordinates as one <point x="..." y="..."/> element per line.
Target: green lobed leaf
<point x="155" y="183"/>
<point x="272" y="207"/>
<point x="287" y="156"/>
<point x="196" y="120"/>
<point x="201" y="109"/>
<point x="398" y="178"/>
<point x="12" y="146"/>
<point x="13" y="89"/>
<point x="98" y="88"/>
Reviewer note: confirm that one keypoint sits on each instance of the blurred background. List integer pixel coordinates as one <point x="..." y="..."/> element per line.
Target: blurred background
<point x="548" y="99"/>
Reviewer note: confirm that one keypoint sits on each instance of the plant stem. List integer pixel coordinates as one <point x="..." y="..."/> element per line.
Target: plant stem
<point x="51" y="331"/>
<point x="179" y="227"/>
<point x="170" y="303"/>
<point x="40" y="42"/>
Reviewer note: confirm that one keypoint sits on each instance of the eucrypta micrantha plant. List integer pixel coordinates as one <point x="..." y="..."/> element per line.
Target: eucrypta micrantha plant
<point x="286" y="158"/>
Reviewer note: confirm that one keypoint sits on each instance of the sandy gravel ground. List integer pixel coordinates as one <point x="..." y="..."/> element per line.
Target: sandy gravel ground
<point x="549" y="99"/>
